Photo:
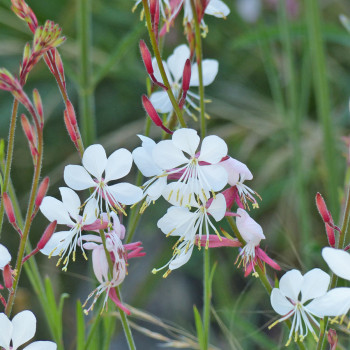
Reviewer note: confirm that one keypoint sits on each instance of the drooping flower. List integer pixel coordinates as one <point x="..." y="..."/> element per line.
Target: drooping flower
<point x="95" y="163"/>
<point x="67" y="212"/>
<point x="174" y="70"/>
<point x="299" y="296"/>
<point x="19" y="331"/>
<point x="154" y="187"/>
<point x="5" y="259"/>
<point x="238" y="172"/>
<point x="252" y="254"/>
<point x="119" y="254"/>
<point x="199" y="173"/>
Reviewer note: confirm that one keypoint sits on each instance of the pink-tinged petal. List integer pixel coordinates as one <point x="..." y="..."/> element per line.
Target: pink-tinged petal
<point x="6" y="331"/>
<point x="280" y="303"/>
<point x="236" y="171"/>
<point x="113" y="296"/>
<point x="95" y="160"/>
<point x="218" y="207"/>
<point x="71" y="201"/>
<point x="118" y="164"/>
<point x="250" y="230"/>
<point x="215" y="176"/>
<point x="230" y="196"/>
<point x="264" y="257"/>
<point x="41" y="345"/>
<point x="161" y="102"/>
<point x="315" y="284"/>
<point x="24" y="327"/>
<point x="145" y="163"/>
<point x="76" y="177"/>
<point x="167" y="156"/>
<point x="335" y="303"/>
<point x="176" y="61"/>
<point x="157" y="74"/>
<point x="90" y="245"/>
<point x="182" y="258"/>
<point x="54" y="209"/>
<point x="96" y="225"/>
<point x="57" y="242"/>
<point x="187" y="140"/>
<point x="210" y="70"/>
<point x="216" y="242"/>
<point x="291" y="284"/>
<point x="217" y="8"/>
<point x="338" y="261"/>
<point x="126" y="193"/>
<point x="100" y="264"/>
<point x="213" y="149"/>
<point x="5" y="257"/>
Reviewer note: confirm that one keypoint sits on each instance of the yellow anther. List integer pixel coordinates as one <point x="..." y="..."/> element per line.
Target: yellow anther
<point x="84" y="255"/>
<point x="167" y="274"/>
<point x="289" y="341"/>
<point x="177" y="195"/>
<point x="65" y="260"/>
<point x="50" y="255"/>
<point x="170" y="232"/>
<point x="207" y="244"/>
<point x="170" y="194"/>
<point x="273" y="324"/>
<point x="73" y="256"/>
<point x="58" y="262"/>
<point x="255" y="274"/>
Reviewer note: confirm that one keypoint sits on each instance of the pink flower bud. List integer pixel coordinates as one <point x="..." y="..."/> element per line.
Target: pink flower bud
<point x="42" y="191"/>
<point x="332" y="338"/>
<point x="27" y="128"/>
<point x="71" y="113"/>
<point x="153" y="114"/>
<point x="59" y="65"/>
<point x="330" y="235"/>
<point x="47" y="235"/>
<point x="70" y="128"/>
<point x="7" y="274"/>
<point x="322" y="209"/>
<point x="9" y="208"/>
<point x="146" y="57"/>
<point x="186" y="77"/>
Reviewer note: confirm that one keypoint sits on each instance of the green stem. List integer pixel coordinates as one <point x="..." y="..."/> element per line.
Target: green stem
<point x="313" y="17"/>
<point x="86" y="91"/>
<point x="206" y="297"/>
<point x="160" y="64"/>
<point x="9" y="157"/>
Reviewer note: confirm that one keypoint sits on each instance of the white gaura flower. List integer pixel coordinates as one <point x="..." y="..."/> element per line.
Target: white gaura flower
<point x="5" y="257"/>
<point x="174" y="69"/>
<point x="153" y="188"/>
<point x="64" y="243"/>
<point x="95" y="163"/>
<point x="238" y="172"/>
<point x="198" y="173"/>
<point x="19" y="331"/>
<point x="299" y="296"/>
<point x="249" y="10"/>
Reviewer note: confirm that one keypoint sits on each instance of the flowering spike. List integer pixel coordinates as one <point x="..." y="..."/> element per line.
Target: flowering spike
<point x="24" y="12"/>
<point x="42" y="191"/>
<point x="153" y="114"/>
<point x="9" y="208"/>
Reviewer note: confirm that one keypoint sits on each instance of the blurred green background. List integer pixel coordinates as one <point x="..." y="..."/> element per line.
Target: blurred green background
<point x="278" y="110"/>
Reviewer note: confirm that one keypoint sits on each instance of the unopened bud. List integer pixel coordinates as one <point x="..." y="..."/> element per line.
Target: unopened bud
<point x="27" y="128"/>
<point x="322" y="209"/>
<point x="42" y="191"/>
<point x="71" y="113"/>
<point x="146" y="57"/>
<point x="153" y="114"/>
<point x="9" y="208"/>
<point x="59" y="65"/>
<point x="186" y="76"/>
<point x="26" y="54"/>
<point x="153" y="8"/>
<point x="47" y="235"/>
<point x="38" y="105"/>
<point x="332" y="338"/>
<point x="70" y="128"/>
<point x="7" y="274"/>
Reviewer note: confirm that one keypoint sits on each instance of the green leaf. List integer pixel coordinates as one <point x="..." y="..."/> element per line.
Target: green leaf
<point x="80" y="326"/>
<point x="199" y="327"/>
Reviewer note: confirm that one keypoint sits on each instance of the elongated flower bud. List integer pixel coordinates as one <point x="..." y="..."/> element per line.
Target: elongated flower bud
<point x="59" y="65"/>
<point x="42" y="191"/>
<point x="332" y="338"/>
<point x="146" y="57"/>
<point x="186" y="76"/>
<point x="70" y="128"/>
<point x="47" y="235"/>
<point x="322" y="209"/>
<point x="38" y="105"/>
<point x="153" y="114"/>
<point x="9" y="208"/>
<point x="71" y="113"/>
<point x="8" y="279"/>
<point x="27" y="128"/>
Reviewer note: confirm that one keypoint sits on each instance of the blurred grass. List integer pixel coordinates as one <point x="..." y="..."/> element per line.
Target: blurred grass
<point x="266" y="104"/>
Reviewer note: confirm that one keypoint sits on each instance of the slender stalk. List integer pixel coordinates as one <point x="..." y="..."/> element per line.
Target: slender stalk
<point x="9" y="157"/>
<point x="313" y="18"/>
<point x="86" y="91"/>
<point x="160" y="64"/>
<point x="28" y="220"/>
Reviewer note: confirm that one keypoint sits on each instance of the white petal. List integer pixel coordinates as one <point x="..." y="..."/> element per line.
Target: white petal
<point x="215" y="175"/>
<point x="6" y="331"/>
<point x="57" y="242"/>
<point x="210" y="70"/>
<point x="213" y="149"/>
<point x="335" y="303"/>
<point x="5" y="257"/>
<point x="126" y="193"/>
<point x="156" y="189"/>
<point x="90" y="211"/>
<point x="144" y="161"/>
<point x="179" y="194"/>
<point x="291" y="283"/>
<point x="181" y="259"/>
<point x="236" y="170"/>
<point x="147" y="143"/>
<point x="76" y="177"/>
<point x="157" y="74"/>
<point x="24" y="326"/>
<point x="217" y="8"/>
<point x="71" y="201"/>
<point x="41" y="345"/>
<point x="176" y="62"/>
<point x="118" y="165"/>
<point x="280" y="303"/>
<point x="54" y="209"/>
<point x="315" y="284"/>
<point x="100" y="264"/>
<point x="187" y="140"/>
<point x="249" y="9"/>
<point x="95" y="160"/>
<point x="338" y="261"/>
<point x="250" y="230"/>
<point x="161" y="102"/>
<point x="218" y="207"/>
<point x="167" y="156"/>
